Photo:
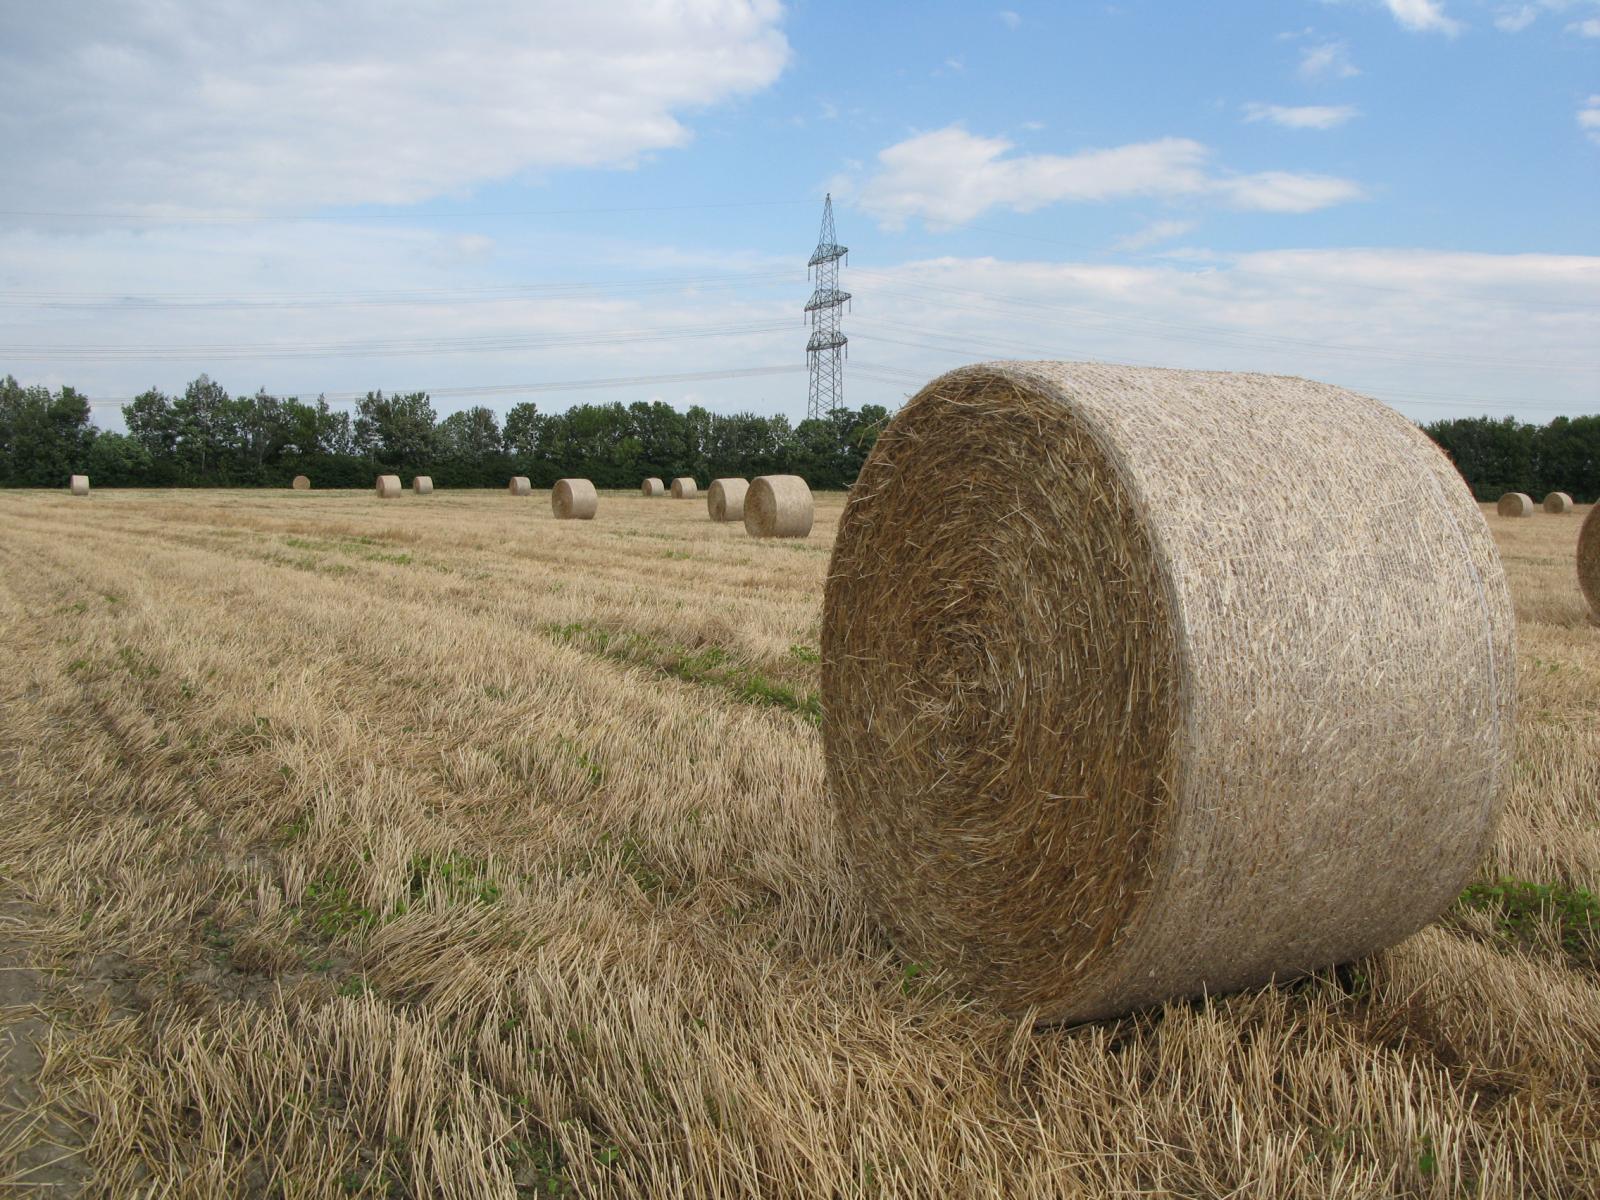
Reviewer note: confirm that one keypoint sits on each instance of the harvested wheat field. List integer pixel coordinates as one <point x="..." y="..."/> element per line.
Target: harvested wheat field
<point x="478" y="853"/>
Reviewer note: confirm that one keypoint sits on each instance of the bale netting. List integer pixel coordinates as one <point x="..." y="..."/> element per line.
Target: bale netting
<point x="1557" y="502"/>
<point x="388" y="487"/>
<point x="653" y="487"/>
<point x="1109" y="723"/>
<point x="574" y="500"/>
<point x="1515" y="504"/>
<point x="301" y="484"/>
<point x="422" y="485"/>
<point x="78" y="485"/>
<point x="1589" y="561"/>
<point x="725" y="499"/>
<point x="778" y="506"/>
<point x="519" y="486"/>
<point x="685" y="488"/>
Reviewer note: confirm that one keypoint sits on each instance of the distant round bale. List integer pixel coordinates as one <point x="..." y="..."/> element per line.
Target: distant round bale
<point x="685" y="488"/>
<point x="653" y="487"/>
<point x="725" y="499"/>
<point x="1589" y="561"/>
<point x="1557" y="502"/>
<point x="1107" y="722"/>
<point x="388" y="487"/>
<point x="778" y="506"/>
<point x="422" y="485"/>
<point x="574" y="500"/>
<point x="519" y="486"/>
<point x="1515" y="504"/>
<point x="79" y="485"/>
<point x="301" y="484"/>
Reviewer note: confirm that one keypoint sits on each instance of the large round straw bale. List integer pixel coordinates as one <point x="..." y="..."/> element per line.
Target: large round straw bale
<point x="388" y="486"/>
<point x="79" y="485"/>
<point x="778" y="506"/>
<point x="1557" y="502"/>
<point x="574" y="500"/>
<point x="685" y="488"/>
<point x="1515" y="504"/>
<point x="1108" y="722"/>
<point x="519" y="486"/>
<point x="653" y="487"/>
<point x="725" y="499"/>
<point x="301" y="484"/>
<point x="1589" y="560"/>
<point x="422" y="485"/>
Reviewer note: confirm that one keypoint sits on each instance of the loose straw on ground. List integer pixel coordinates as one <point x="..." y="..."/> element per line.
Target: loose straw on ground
<point x="778" y="506"/>
<point x="519" y="486"/>
<point x="574" y="500"/>
<point x="1558" y="502"/>
<point x="684" y="488"/>
<point x="301" y="484"/>
<point x="78" y="485"/>
<point x="1108" y="723"/>
<point x="388" y="487"/>
<point x="1515" y="504"/>
<point x="422" y="485"/>
<point x="653" y="487"/>
<point x="725" y="499"/>
<point x="1589" y="561"/>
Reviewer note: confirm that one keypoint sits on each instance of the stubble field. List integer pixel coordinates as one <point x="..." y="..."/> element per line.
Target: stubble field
<point x="433" y="847"/>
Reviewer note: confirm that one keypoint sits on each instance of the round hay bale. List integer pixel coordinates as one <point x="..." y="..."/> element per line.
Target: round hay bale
<point x="653" y="487"/>
<point x="1107" y="722"/>
<point x="79" y="485"/>
<point x="574" y="500"/>
<point x="519" y="486"/>
<point x="388" y="487"/>
<point x="1515" y="504"/>
<point x="422" y="485"/>
<point x="301" y="484"/>
<point x="778" y="506"/>
<point x="1557" y="502"/>
<point x="1589" y="561"/>
<point x="725" y="499"/>
<point x="685" y="488"/>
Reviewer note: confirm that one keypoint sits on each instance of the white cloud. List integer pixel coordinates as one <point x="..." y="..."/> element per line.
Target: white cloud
<point x="950" y="176"/>
<point x="1435" y="333"/>
<point x="1589" y="28"/>
<point x="1423" y="16"/>
<point x="1589" y="119"/>
<point x="1154" y="233"/>
<point x="1327" y="60"/>
<point x="1515" y="20"/>
<point x="1308" y="116"/>
<point x="179" y="105"/>
<point x="1009" y="19"/>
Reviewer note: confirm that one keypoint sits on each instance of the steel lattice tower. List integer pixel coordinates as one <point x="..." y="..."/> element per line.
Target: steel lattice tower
<point x="825" y="349"/>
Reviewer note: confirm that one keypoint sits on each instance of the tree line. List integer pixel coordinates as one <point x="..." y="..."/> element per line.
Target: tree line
<point x="207" y="438"/>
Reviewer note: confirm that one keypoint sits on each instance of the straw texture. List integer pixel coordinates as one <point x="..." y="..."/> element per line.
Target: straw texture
<point x="1109" y="723"/>
<point x="79" y="485"/>
<point x="301" y="484"/>
<point x="725" y="499"/>
<point x="778" y="506"/>
<point x="653" y="487"/>
<point x="422" y="485"/>
<point x="1515" y="504"/>
<point x="1589" y="561"/>
<point x="684" y="488"/>
<point x="1558" y="502"/>
<point x="388" y="487"/>
<point x="519" y="486"/>
<point x="574" y="500"/>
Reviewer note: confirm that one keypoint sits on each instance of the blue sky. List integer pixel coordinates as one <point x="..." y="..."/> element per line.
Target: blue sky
<point x="490" y="200"/>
